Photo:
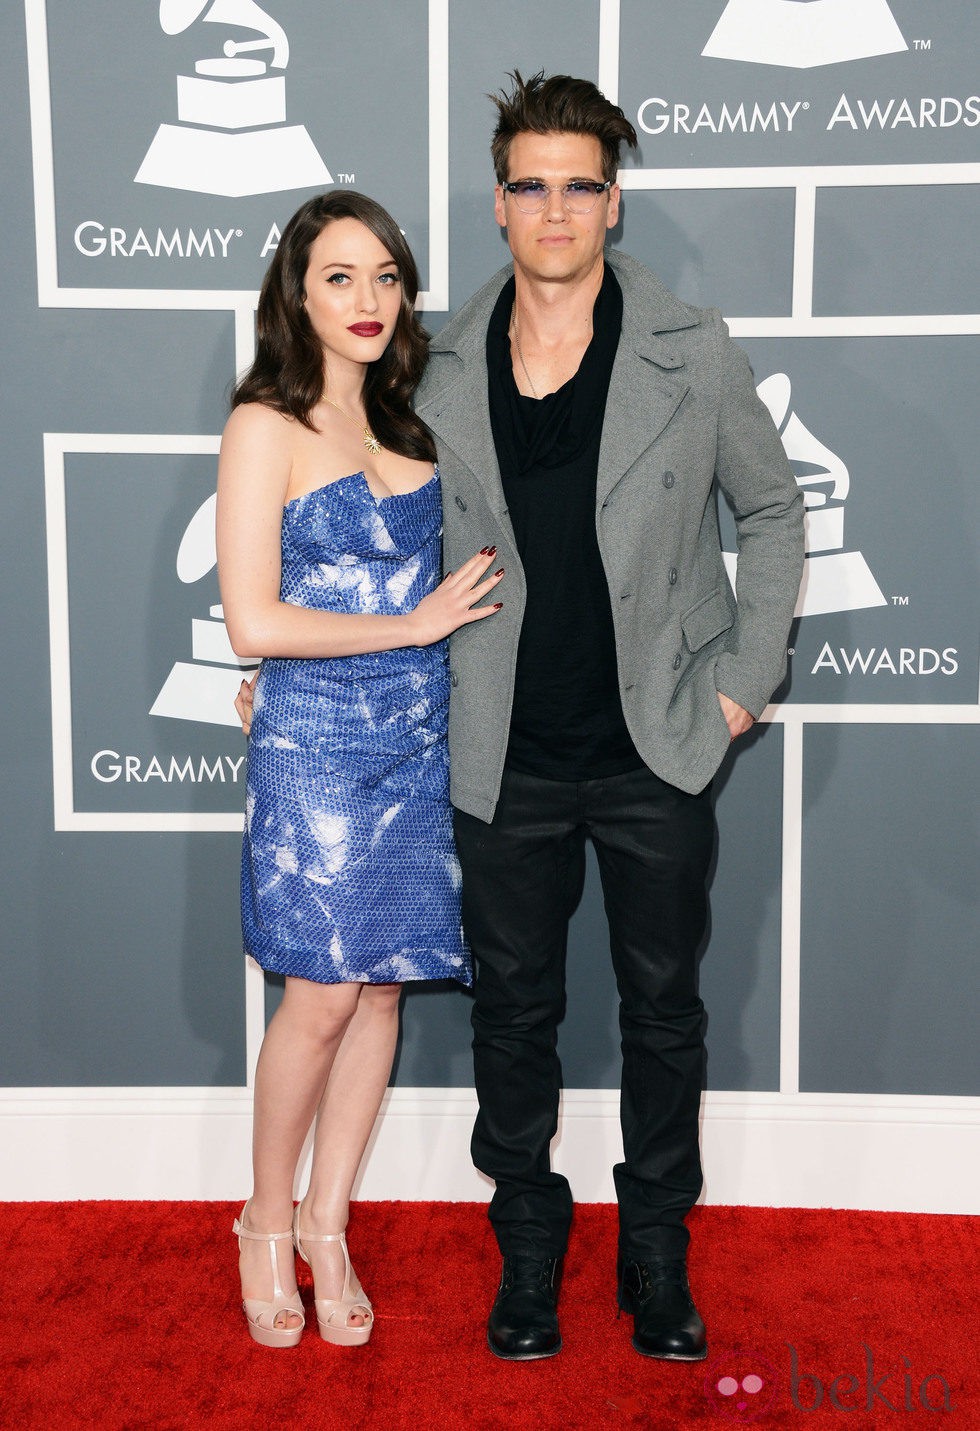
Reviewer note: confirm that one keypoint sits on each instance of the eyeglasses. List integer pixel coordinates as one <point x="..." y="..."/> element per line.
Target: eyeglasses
<point x="579" y="197"/>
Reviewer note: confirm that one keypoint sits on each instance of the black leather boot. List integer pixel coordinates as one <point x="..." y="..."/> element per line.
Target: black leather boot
<point x="666" y="1322"/>
<point x="523" y="1322"/>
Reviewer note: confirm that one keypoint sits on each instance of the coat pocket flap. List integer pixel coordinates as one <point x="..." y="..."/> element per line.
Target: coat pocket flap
<point x="709" y="618"/>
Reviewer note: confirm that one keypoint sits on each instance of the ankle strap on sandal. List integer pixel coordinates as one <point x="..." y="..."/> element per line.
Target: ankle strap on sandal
<point x="261" y="1236"/>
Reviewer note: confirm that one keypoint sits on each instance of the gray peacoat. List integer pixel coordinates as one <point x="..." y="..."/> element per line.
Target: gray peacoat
<point x="682" y="413"/>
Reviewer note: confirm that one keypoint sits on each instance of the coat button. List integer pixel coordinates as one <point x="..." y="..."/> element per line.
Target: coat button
<point x="454" y="679"/>
<point x="677" y="661"/>
<point x="672" y="576"/>
<point x="668" y="479"/>
<point x="461" y="504"/>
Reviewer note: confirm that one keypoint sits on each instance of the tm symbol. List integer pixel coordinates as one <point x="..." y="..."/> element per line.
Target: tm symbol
<point x="922" y="44"/>
<point x="346" y="178"/>
<point x="900" y="601"/>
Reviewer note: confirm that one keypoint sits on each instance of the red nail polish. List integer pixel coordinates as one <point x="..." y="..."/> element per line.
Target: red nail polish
<point x="497" y="605"/>
<point x="500" y="572"/>
<point x="491" y="551"/>
<point x="484" y="551"/>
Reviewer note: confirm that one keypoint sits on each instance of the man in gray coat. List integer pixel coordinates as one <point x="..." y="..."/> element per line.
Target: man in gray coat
<point x="583" y="416"/>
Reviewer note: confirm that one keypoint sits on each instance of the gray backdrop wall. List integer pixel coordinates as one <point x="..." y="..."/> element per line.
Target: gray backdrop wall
<point x="815" y="179"/>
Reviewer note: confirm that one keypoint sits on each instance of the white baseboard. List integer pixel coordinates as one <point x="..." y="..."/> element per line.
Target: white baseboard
<point x="887" y="1153"/>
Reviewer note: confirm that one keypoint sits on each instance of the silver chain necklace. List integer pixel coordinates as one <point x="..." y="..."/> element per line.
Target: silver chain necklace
<point x="520" y="354"/>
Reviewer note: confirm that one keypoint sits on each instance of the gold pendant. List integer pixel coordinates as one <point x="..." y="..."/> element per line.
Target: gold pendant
<point x="371" y="442"/>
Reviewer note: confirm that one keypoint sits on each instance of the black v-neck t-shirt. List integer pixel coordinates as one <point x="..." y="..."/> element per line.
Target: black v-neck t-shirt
<point x="567" y="721"/>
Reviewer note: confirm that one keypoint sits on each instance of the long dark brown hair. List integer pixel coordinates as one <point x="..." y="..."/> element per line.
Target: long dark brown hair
<point x="287" y="374"/>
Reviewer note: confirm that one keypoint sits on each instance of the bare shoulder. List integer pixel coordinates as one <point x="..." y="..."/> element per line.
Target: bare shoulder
<point x="253" y="422"/>
<point x="256" y="454"/>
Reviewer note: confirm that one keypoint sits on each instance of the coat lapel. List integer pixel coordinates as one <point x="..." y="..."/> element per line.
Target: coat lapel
<point x="459" y="416"/>
<point x="454" y="399"/>
<point x="643" y="398"/>
<point x="649" y="380"/>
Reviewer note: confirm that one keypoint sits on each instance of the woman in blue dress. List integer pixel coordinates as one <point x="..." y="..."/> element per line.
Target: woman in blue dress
<point x="329" y="524"/>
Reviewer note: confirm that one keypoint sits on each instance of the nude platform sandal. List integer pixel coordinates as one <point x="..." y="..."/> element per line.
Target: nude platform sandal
<point x="261" y="1316"/>
<point x="332" y="1313"/>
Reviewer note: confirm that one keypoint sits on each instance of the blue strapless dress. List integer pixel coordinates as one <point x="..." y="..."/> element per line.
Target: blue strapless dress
<point x="349" y="873"/>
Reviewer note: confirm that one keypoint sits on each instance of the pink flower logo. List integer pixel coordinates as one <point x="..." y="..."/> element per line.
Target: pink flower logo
<point x="741" y="1384"/>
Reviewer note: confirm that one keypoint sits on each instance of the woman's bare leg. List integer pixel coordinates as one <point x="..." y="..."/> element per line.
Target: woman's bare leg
<point x="298" y="1053"/>
<point x="346" y="1115"/>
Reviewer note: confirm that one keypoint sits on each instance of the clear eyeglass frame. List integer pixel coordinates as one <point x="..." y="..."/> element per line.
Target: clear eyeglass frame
<point x="579" y="197"/>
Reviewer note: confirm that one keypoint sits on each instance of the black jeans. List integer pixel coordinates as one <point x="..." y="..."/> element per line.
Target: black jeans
<point x="522" y="878"/>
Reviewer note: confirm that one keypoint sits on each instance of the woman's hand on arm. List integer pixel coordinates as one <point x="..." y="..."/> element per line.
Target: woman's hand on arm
<point x="453" y="603"/>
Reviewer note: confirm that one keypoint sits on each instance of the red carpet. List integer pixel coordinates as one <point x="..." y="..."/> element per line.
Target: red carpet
<point x="126" y="1315"/>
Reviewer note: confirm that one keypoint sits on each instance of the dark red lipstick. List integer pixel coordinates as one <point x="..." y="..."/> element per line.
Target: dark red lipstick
<point x="366" y="330"/>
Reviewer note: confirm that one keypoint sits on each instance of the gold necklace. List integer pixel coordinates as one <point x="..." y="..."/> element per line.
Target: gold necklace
<point x="370" y="441"/>
<point x="520" y="354"/>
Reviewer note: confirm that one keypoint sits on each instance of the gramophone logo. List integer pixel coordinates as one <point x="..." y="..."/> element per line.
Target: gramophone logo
<point x="833" y="579"/>
<point x="204" y="688"/>
<point x="232" y="137"/>
<point x="802" y="34"/>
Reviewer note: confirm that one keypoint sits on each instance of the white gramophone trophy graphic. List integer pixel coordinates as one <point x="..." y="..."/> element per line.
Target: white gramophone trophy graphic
<point x="802" y="34"/>
<point x="203" y="689"/>
<point x="232" y="137"/>
<point x="833" y="579"/>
